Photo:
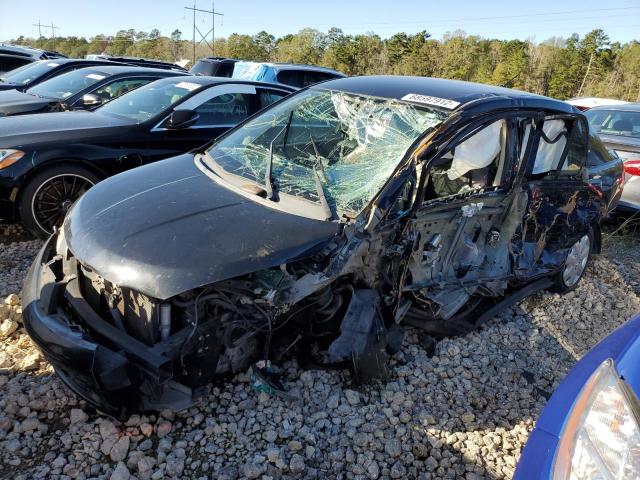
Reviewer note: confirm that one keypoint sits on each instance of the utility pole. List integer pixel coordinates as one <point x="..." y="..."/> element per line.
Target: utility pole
<point x="53" y="34"/>
<point x="203" y="38"/>
<point x="39" y="25"/>
<point x="585" y="75"/>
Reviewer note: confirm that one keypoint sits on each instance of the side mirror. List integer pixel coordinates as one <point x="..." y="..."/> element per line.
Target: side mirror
<point x="181" y="119"/>
<point x="90" y="100"/>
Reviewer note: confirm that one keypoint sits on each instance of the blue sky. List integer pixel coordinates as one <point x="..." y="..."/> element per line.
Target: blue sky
<point x="489" y="18"/>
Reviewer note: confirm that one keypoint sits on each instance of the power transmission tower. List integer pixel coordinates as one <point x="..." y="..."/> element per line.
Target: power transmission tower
<point x="39" y="25"/>
<point x="53" y="31"/>
<point x="203" y="38"/>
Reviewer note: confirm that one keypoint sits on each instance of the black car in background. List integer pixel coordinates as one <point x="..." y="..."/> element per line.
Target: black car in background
<point x="48" y="161"/>
<point x="30" y="75"/>
<point x="322" y="226"/>
<point x="292" y="74"/>
<point x="15" y="56"/>
<point x="34" y="73"/>
<point x="82" y="89"/>
<point x="214" y="67"/>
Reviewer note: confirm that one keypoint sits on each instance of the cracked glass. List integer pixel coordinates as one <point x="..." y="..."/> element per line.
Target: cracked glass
<point x="351" y="143"/>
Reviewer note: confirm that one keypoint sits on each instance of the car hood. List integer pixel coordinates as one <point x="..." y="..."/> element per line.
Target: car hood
<point x="13" y="102"/>
<point x="167" y="228"/>
<point x="25" y="130"/>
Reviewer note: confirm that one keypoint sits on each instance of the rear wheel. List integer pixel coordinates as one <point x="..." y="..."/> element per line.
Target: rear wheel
<point x="49" y="195"/>
<point x="574" y="265"/>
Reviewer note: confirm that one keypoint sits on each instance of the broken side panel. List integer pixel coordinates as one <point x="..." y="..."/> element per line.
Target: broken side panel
<point x="462" y="249"/>
<point x="558" y="214"/>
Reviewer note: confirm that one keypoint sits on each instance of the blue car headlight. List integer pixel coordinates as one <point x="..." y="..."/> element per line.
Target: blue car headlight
<point x="601" y="438"/>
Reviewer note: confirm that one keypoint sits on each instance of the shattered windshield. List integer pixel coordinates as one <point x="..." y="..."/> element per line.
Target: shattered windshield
<point x="349" y="143"/>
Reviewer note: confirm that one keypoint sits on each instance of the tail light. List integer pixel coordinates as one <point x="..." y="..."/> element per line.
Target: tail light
<point x="632" y="167"/>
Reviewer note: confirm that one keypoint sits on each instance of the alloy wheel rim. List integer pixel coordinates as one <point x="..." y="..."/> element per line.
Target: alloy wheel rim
<point x="54" y="197"/>
<point x="576" y="261"/>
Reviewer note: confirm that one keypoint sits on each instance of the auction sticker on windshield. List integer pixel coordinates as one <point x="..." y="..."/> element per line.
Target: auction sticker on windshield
<point x="187" y="86"/>
<point x="52" y="64"/>
<point x="95" y="76"/>
<point x="428" y="100"/>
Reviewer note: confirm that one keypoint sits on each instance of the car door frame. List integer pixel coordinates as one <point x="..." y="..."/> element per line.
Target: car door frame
<point x="197" y="99"/>
<point x="554" y="197"/>
<point x="447" y="209"/>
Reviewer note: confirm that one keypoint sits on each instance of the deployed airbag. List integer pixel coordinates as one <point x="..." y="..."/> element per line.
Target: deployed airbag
<point x="477" y="151"/>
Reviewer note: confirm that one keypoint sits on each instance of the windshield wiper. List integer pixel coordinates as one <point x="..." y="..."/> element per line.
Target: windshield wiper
<point x="328" y="212"/>
<point x="268" y="180"/>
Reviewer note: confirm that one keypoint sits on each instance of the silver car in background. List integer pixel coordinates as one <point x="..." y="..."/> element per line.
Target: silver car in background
<point x="619" y="129"/>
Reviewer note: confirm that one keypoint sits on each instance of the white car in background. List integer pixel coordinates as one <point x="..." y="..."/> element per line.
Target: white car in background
<point x="619" y="129"/>
<point x="585" y="103"/>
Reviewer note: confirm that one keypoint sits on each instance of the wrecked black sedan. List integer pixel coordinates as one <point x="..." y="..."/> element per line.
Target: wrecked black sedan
<point x="320" y="226"/>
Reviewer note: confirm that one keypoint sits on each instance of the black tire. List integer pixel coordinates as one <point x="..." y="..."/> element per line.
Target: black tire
<point x="571" y="273"/>
<point x="50" y="193"/>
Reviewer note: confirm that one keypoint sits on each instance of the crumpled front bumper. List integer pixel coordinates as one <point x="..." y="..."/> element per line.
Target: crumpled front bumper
<point x="104" y="365"/>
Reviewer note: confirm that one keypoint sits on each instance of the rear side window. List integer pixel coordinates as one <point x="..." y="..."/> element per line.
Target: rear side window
<point x="8" y="64"/>
<point x="598" y="153"/>
<point x="267" y="97"/>
<point x="562" y="146"/>
<point x="225" y="69"/>
<point x="227" y="109"/>
<point x="115" y="89"/>
<point x="202" y="67"/>
<point x="294" y="78"/>
<point x="576" y="147"/>
<point x="302" y="78"/>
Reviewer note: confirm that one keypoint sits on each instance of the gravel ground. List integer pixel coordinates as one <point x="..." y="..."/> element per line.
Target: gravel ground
<point x="464" y="412"/>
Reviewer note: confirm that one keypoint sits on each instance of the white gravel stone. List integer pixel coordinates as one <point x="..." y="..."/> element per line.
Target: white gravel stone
<point x="7" y="327"/>
<point x="77" y="415"/>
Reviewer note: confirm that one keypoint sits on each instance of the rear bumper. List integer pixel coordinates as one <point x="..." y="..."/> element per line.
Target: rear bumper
<point x="102" y="364"/>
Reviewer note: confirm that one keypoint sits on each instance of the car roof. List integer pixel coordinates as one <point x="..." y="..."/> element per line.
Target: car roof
<point x="396" y="87"/>
<point x="301" y="66"/>
<point x="64" y="61"/>
<point x="207" y="80"/>
<point x="23" y="50"/>
<point x="624" y="107"/>
<point x="113" y="69"/>
<point x="217" y="59"/>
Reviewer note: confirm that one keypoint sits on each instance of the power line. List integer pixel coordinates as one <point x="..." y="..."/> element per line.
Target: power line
<point x="449" y="20"/>
<point x="203" y="38"/>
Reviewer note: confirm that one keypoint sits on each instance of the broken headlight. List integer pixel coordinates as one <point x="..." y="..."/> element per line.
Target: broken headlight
<point x="601" y="437"/>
